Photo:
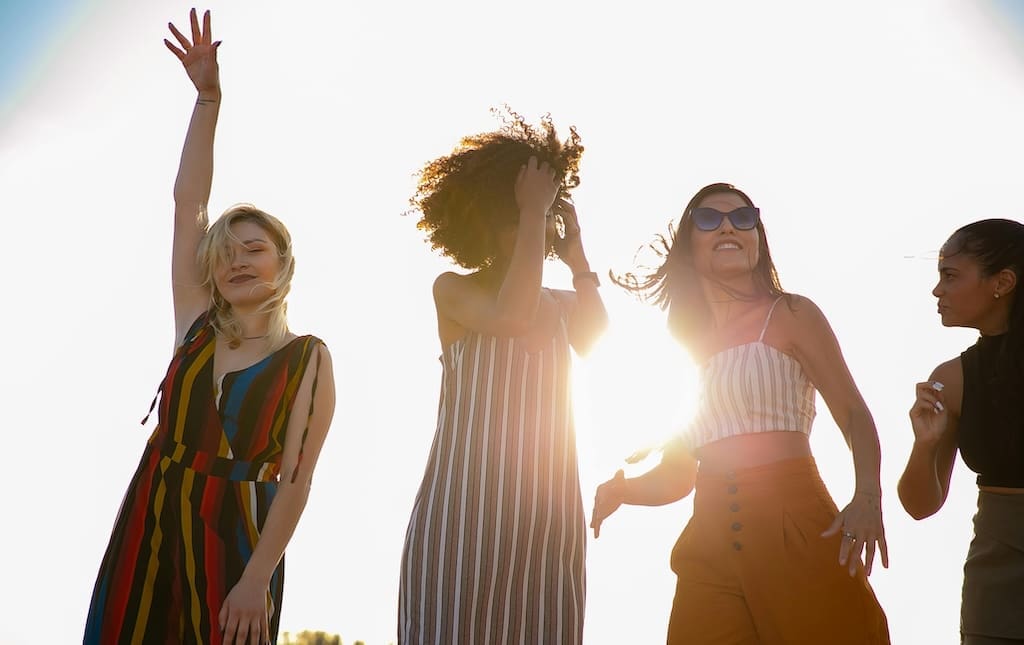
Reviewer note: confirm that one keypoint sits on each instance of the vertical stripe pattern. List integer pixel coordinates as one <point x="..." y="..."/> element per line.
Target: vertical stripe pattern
<point x="198" y="500"/>
<point x="749" y="388"/>
<point x="495" y="547"/>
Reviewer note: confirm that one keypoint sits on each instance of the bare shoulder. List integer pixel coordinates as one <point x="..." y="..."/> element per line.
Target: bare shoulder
<point x="799" y="320"/>
<point x="950" y="373"/>
<point x="802" y="309"/>
<point x="451" y="286"/>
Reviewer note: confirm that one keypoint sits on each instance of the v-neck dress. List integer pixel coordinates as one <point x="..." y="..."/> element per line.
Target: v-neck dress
<point x="195" y="507"/>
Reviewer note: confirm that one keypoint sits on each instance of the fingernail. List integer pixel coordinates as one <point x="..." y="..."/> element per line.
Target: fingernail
<point x="938" y="406"/>
<point x="938" y="387"/>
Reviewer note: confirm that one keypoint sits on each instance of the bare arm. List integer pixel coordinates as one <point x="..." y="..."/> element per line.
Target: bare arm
<point x="195" y="171"/>
<point x="588" y="318"/>
<point x="935" y="417"/>
<point x="817" y="349"/>
<point x="513" y="310"/>
<point x="670" y="481"/>
<point x="245" y="606"/>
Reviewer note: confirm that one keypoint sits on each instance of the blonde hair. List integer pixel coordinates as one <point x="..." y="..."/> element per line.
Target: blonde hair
<point x="215" y="251"/>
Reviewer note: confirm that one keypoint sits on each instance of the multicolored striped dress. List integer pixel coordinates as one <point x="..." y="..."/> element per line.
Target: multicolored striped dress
<point x="495" y="547"/>
<point x="198" y="500"/>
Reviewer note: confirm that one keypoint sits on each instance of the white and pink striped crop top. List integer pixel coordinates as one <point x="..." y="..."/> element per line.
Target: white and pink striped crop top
<point x="751" y="388"/>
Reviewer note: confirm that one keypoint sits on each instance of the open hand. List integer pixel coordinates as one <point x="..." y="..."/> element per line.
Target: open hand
<point x="607" y="500"/>
<point x="199" y="56"/>
<point x="243" y="617"/>
<point x="861" y="526"/>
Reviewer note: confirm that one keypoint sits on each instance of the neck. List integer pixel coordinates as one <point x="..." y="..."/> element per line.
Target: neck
<point x="728" y="298"/>
<point x="254" y="325"/>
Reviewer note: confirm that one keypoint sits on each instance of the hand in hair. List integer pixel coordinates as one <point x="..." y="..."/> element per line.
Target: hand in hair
<point x="535" y="189"/>
<point x="199" y="56"/>
<point x="569" y="246"/>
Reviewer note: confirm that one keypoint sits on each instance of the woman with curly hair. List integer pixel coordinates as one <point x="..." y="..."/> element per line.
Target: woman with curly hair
<point x="767" y="557"/>
<point x="971" y="404"/>
<point x="494" y="550"/>
<point x="197" y="550"/>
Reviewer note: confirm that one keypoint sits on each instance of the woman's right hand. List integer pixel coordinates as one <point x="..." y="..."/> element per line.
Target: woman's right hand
<point x="608" y="498"/>
<point x="535" y="188"/>
<point x="928" y="415"/>
<point x="199" y="56"/>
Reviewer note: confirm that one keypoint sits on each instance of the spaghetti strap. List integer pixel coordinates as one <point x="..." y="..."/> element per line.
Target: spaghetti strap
<point x="768" y="319"/>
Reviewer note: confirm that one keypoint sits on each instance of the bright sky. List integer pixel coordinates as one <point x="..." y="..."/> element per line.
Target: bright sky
<point x="866" y="132"/>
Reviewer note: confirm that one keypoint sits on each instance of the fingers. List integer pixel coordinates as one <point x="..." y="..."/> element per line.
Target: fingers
<point x="206" y="27"/>
<point x="194" y="19"/>
<point x="568" y="213"/>
<point x="884" y="550"/>
<point x="264" y="630"/>
<point x="869" y="557"/>
<point x="184" y="42"/>
<point x="928" y="396"/>
<point x="174" y="50"/>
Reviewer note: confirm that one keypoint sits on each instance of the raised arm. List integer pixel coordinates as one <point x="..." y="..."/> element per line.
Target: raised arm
<point x="588" y="318"/>
<point x="244" y="609"/>
<point x="817" y="349"/>
<point x="934" y="416"/>
<point x="195" y="170"/>
<point x="514" y="309"/>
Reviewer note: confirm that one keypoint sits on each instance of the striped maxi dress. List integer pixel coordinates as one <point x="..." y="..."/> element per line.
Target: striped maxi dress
<point x="194" y="508"/>
<point x="495" y="547"/>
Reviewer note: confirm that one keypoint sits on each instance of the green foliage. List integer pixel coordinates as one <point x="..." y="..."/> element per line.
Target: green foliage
<point x="312" y="638"/>
<point x="307" y="637"/>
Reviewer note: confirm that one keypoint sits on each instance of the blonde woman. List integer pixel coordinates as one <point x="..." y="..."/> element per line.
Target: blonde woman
<point x="196" y="554"/>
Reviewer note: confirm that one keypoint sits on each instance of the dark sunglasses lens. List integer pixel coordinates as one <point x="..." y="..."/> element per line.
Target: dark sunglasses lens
<point x="707" y="219"/>
<point x="744" y="218"/>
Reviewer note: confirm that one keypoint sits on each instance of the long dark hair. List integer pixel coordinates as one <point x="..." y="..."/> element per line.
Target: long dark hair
<point x="998" y="244"/>
<point x="675" y="285"/>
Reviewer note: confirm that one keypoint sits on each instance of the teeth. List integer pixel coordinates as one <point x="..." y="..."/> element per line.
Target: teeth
<point x="727" y="245"/>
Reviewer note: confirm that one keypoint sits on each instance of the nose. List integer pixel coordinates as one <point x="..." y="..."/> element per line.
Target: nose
<point x="937" y="290"/>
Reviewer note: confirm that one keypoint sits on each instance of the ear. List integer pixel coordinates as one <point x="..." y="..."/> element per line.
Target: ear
<point x="1006" y="282"/>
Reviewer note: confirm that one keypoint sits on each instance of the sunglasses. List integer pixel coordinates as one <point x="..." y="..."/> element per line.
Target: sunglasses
<point x="743" y="218"/>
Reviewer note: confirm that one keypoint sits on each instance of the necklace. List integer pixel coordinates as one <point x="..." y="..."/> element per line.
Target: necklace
<point x="254" y="337"/>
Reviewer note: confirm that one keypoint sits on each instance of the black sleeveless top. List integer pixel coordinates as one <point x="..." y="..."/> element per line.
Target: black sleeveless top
<point x="991" y="431"/>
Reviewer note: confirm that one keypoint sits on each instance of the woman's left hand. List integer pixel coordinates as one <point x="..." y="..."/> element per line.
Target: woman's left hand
<point x="570" y="247"/>
<point x="861" y="526"/>
<point x="243" y="617"/>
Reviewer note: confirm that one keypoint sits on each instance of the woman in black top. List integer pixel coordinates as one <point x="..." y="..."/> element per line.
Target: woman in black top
<point x="973" y="403"/>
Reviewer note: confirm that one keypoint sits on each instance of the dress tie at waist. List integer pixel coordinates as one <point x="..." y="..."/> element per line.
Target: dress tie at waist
<point x="224" y="467"/>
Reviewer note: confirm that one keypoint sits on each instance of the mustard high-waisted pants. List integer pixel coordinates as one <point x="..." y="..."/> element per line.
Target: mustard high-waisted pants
<point x="752" y="567"/>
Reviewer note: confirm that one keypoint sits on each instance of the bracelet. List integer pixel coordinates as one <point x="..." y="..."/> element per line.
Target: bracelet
<point x="589" y="275"/>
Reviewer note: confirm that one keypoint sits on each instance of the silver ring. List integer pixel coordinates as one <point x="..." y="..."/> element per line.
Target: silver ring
<point x="848" y="535"/>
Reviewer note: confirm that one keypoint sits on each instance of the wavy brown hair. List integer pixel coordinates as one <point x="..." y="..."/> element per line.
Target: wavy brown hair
<point x="468" y="195"/>
<point x="675" y="285"/>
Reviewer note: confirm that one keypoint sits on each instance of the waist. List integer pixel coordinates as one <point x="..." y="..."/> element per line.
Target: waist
<point x="1001" y="490"/>
<point x="216" y="466"/>
<point x="743" y="451"/>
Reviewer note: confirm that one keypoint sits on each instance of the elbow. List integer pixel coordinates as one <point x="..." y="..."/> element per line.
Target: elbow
<point x="914" y="505"/>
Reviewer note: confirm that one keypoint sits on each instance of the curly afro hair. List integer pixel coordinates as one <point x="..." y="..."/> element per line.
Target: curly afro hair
<point x="465" y="197"/>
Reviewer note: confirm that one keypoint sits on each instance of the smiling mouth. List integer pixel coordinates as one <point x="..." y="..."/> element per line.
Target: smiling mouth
<point x="727" y="246"/>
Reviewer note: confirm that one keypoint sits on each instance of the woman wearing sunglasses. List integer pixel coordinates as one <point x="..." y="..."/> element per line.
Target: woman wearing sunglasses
<point x="767" y="557"/>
